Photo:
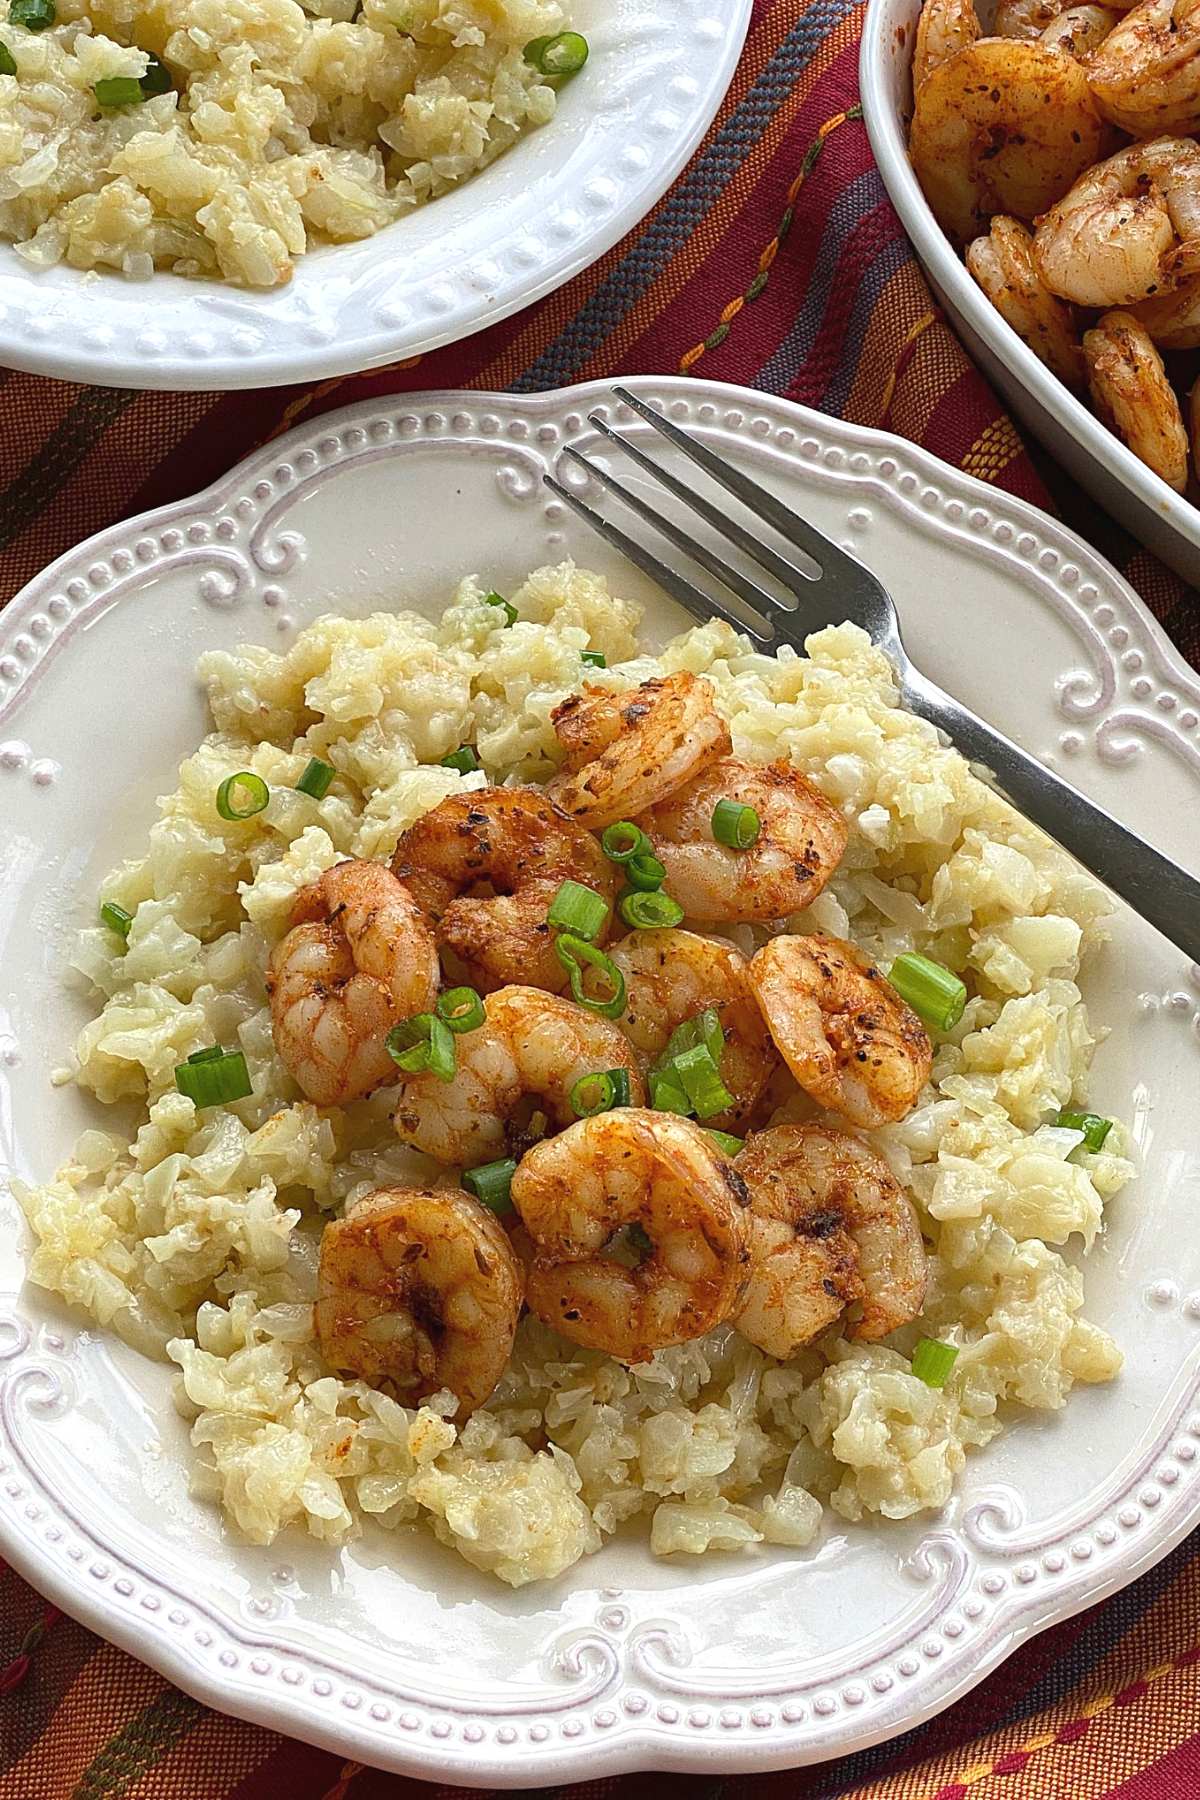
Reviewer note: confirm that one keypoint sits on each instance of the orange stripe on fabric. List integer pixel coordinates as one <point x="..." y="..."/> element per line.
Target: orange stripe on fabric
<point x="215" y="1755"/>
<point x="108" y="1690"/>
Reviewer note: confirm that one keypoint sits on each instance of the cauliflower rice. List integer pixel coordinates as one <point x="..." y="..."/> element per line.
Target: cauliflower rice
<point x="286" y="125"/>
<point x="198" y="1240"/>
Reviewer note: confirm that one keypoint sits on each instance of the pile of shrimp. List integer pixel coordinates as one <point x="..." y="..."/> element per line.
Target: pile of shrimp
<point x="631" y="1229"/>
<point x="1061" y="154"/>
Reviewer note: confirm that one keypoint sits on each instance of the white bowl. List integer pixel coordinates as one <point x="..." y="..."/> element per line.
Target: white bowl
<point x="1164" y="521"/>
<point x="624" y="128"/>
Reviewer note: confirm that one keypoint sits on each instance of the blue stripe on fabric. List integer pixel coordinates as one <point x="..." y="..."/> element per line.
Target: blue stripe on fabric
<point x="686" y="207"/>
<point x="1105" y="1628"/>
<point x="891" y="258"/>
<point x="863" y="195"/>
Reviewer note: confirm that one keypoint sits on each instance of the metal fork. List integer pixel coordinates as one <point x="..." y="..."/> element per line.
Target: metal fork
<point x="1157" y="888"/>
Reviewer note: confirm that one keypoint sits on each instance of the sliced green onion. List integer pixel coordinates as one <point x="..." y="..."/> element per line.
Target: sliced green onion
<point x="932" y="1361"/>
<point x="934" y="992"/>
<point x="593" y="659"/>
<point x="8" y="62"/>
<point x="461" y="1009"/>
<point x="562" y="53"/>
<point x="34" y="15"/>
<point x="638" y="1238"/>
<point x="734" y="825"/>
<point x="510" y="611"/>
<point x="214" y="1077"/>
<point x="655" y="911"/>
<point x="463" y="759"/>
<point x="725" y="1140"/>
<point x="492" y="1183"/>
<point x="579" y="910"/>
<point x="666" y="1092"/>
<point x="644" y="871"/>
<point x="1094" y="1128"/>
<point x="700" y="1079"/>
<point x="241" y="796"/>
<point x="576" y="952"/>
<point x="599" y="1093"/>
<point x="115" y="917"/>
<point x="423" y="1042"/>
<point x="703" y="1028"/>
<point x="623" y="841"/>
<point x="157" y="78"/>
<point x="119" y="90"/>
<point x="316" y="779"/>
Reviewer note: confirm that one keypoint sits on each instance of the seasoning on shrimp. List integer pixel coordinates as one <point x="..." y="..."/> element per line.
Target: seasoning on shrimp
<point x="358" y="959"/>
<point x="1003" y="265"/>
<point x="639" y="1226"/>
<point x="419" y="1289"/>
<point x="944" y="28"/>
<point x="830" y="1228"/>
<point x="1126" y="229"/>
<point x="484" y="868"/>
<point x="626" y="750"/>
<point x="1131" y="393"/>
<point x="1145" y="76"/>
<point x="802" y="838"/>
<point x="843" y="1030"/>
<point x="526" y="1057"/>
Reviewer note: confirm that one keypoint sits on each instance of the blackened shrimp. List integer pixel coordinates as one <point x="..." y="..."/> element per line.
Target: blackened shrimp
<point x="626" y="750"/>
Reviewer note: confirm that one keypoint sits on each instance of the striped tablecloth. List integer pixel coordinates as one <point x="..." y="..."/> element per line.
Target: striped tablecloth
<point x="775" y="261"/>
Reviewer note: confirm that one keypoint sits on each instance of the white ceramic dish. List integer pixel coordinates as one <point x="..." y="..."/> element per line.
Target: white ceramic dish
<point x="556" y="202"/>
<point x="393" y="1650"/>
<point x="1166" y="522"/>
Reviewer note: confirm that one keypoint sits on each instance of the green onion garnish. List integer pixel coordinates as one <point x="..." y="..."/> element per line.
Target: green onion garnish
<point x="579" y="910"/>
<point x="461" y="1009"/>
<point x="8" y="62"/>
<point x="650" y="912"/>
<point x="510" y="611"/>
<point x="725" y="1140"/>
<point x="932" y="1361"/>
<point x="703" y="1028"/>
<point x="563" y="53"/>
<point x="644" y="871"/>
<point x="119" y="90"/>
<point x="463" y="759"/>
<point x="666" y="1091"/>
<point x="241" y="796"/>
<point x="1094" y="1128"/>
<point x="622" y="842"/>
<point x="576" y="952"/>
<point x="115" y="917"/>
<point x="593" y="659"/>
<point x="700" y="1079"/>
<point x="492" y="1183"/>
<point x="599" y="1093"/>
<point x="34" y="15"/>
<point x="213" y="1077"/>
<point x="157" y="78"/>
<point x="934" y="992"/>
<point x="734" y="825"/>
<point x="423" y="1042"/>
<point x="316" y="779"/>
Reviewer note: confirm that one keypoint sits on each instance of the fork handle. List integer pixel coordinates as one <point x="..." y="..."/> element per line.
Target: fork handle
<point x="1149" y="882"/>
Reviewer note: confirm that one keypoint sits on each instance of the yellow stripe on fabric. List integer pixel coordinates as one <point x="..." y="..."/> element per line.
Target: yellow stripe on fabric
<point x="994" y="449"/>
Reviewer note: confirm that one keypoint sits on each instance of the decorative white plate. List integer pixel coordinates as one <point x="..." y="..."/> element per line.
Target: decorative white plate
<point x="563" y="195"/>
<point x="1164" y="520"/>
<point x="392" y="1650"/>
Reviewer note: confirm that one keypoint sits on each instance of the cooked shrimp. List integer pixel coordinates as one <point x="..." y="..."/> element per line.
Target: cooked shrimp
<point x="1194" y="421"/>
<point x="1024" y="18"/>
<point x="581" y="1192"/>
<point x="1132" y="395"/>
<point x="1003" y="127"/>
<point x="829" y="1226"/>
<point x="358" y="958"/>
<point x="624" y="751"/>
<point x="484" y="868"/>
<point x="801" y="841"/>
<point x="1172" y="320"/>
<point x="670" y="976"/>
<point x="1080" y="29"/>
<point x="1145" y="76"/>
<point x="1127" y="228"/>
<point x="419" y="1290"/>
<point x="841" y="1027"/>
<point x="944" y="27"/>
<point x="526" y="1057"/>
<point x="1002" y="263"/>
